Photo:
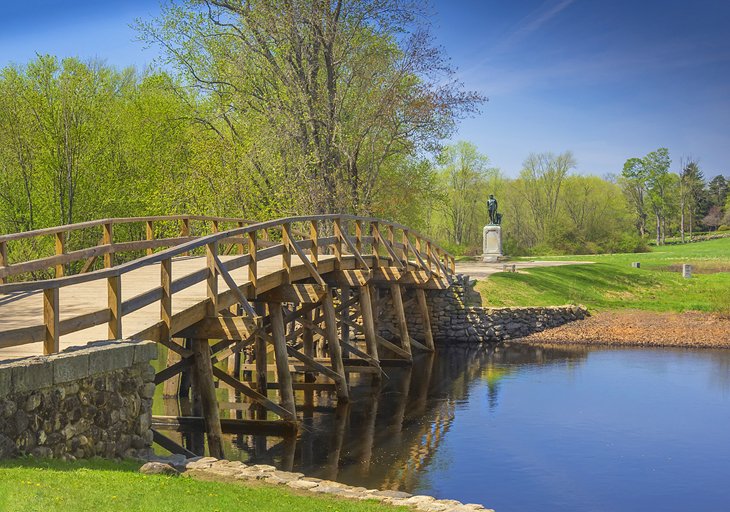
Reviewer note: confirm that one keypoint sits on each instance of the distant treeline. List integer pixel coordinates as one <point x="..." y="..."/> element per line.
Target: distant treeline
<point x="260" y="111"/>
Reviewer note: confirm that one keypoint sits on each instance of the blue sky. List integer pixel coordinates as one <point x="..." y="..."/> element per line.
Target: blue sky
<point x="605" y="79"/>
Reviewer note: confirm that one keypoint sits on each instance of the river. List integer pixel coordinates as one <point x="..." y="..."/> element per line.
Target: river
<point x="522" y="428"/>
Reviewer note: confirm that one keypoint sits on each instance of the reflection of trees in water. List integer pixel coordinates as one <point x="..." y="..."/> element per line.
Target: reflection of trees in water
<point x="390" y="433"/>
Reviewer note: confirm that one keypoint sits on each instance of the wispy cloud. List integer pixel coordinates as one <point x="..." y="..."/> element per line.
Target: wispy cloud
<point x="533" y="22"/>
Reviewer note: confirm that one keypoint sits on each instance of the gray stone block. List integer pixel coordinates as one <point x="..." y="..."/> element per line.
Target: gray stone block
<point x="70" y="367"/>
<point x="145" y="351"/>
<point x="6" y="379"/>
<point x="108" y="358"/>
<point x="31" y="374"/>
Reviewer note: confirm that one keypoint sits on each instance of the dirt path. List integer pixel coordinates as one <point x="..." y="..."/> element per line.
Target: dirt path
<point x="479" y="270"/>
<point x="642" y="328"/>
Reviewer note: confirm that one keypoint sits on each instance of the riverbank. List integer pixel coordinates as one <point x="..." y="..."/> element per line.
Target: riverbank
<point x="692" y="329"/>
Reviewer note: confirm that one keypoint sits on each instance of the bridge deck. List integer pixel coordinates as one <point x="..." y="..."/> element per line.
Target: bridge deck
<point x="21" y="309"/>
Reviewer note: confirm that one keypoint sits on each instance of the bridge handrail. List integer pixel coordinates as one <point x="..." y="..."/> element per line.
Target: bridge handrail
<point x="433" y="258"/>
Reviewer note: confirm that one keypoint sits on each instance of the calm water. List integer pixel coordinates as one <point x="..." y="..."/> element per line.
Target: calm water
<point x="526" y="428"/>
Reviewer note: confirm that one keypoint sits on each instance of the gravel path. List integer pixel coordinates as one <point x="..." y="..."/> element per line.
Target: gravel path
<point x="642" y="328"/>
<point x="479" y="270"/>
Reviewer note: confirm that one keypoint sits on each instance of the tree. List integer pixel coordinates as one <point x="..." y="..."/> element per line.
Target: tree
<point x="717" y="190"/>
<point x="465" y="174"/>
<point x="318" y="96"/>
<point x="543" y="175"/>
<point x="691" y="189"/>
<point x="714" y="218"/>
<point x="634" y="182"/>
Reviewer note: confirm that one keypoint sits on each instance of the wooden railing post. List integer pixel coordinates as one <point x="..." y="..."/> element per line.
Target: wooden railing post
<point x="391" y="239"/>
<point x="358" y="236"/>
<point x="211" y="251"/>
<point x="3" y="259"/>
<point x="150" y="235"/>
<point x="166" y="299"/>
<point x="114" y="293"/>
<point x="252" y="276"/>
<point x="185" y="231"/>
<point x="240" y="246"/>
<point x="286" y="256"/>
<point x="405" y="248"/>
<point x="215" y="226"/>
<point x="50" y="319"/>
<point x="418" y="248"/>
<point x="107" y="239"/>
<point x="338" y="242"/>
<point x="376" y="243"/>
<point x="314" y="235"/>
<point x="60" y="250"/>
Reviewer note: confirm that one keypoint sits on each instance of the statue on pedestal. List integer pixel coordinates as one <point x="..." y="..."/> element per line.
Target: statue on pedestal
<point x="492" y="234"/>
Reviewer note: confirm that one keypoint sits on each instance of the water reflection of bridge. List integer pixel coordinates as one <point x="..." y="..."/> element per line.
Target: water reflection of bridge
<point x="387" y="436"/>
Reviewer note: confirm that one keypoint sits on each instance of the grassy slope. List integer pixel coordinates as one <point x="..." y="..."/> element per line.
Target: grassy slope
<point x="99" y="485"/>
<point x="611" y="283"/>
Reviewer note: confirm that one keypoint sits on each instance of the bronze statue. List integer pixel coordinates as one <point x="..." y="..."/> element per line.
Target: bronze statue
<point x="495" y="219"/>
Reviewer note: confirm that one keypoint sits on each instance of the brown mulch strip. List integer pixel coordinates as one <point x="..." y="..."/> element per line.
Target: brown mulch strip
<point x="642" y="328"/>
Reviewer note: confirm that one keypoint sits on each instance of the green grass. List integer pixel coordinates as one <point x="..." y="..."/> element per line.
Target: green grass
<point x="611" y="283"/>
<point x="98" y="485"/>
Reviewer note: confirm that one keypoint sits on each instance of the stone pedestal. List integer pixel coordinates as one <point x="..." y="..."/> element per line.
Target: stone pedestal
<point x="491" y="244"/>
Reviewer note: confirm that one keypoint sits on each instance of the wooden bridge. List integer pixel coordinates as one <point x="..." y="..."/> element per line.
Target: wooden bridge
<point x="306" y="289"/>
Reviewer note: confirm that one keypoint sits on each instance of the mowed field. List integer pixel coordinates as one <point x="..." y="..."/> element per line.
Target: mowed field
<point x="612" y="284"/>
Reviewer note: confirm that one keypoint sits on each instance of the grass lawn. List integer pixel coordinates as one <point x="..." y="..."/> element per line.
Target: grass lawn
<point x="99" y="485"/>
<point x="611" y="283"/>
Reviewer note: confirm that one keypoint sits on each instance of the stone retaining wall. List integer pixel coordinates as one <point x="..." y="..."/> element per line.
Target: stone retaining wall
<point x="210" y="468"/>
<point x="458" y="317"/>
<point x="83" y="402"/>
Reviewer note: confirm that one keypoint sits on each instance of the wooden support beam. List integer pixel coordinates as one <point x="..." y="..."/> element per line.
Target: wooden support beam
<point x="400" y="316"/>
<point x="260" y="356"/>
<point x="166" y="299"/>
<point x="330" y="320"/>
<point x="228" y="426"/>
<point x="170" y="445"/>
<point x="385" y="343"/>
<point x="426" y="317"/>
<point x="206" y="388"/>
<point x="257" y="397"/>
<point x="50" y="320"/>
<point x="222" y="328"/>
<point x="171" y="386"/>
<point x="354" y="278"/>
<point x="220" y="268"/>
<point x="368" y="322"/>
<point x="300" y="293"/>
<point x="286" y="256"/>
<point x="114" y="295"/>
<point x="252" y="274"/>
<point x="211" y="282"/>
<point x="313" y="364"/>
<point x="278" y="334"/>
<point x="337" y="226"/>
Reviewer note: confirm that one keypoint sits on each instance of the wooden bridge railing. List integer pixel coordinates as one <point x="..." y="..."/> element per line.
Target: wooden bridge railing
<point x="284" y="238"/>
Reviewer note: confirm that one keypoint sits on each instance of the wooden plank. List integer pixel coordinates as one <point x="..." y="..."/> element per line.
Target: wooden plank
<point x="3" y="261"/>
<point x="314" y="236"/>
<point x="252" y="261"/>
<point x="385" y="343"/>
<point x="286" y="255"/>
<point x="206" y="388"/>
<point x="114" y="295"/>
<point x="354" y="278"/>
<point x="50" y="320"/>
<point x="233" y="287"/>
<point x="313" y="364"/>
<point x="305" y="261"/>
<point x="211" y="282"/>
